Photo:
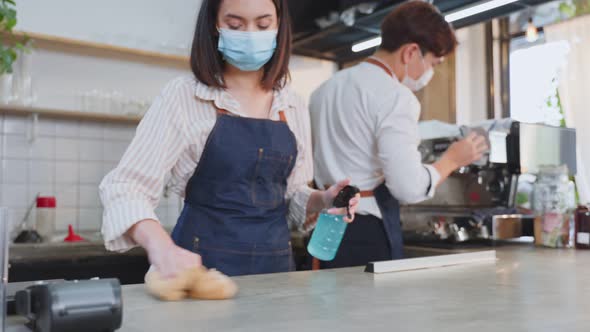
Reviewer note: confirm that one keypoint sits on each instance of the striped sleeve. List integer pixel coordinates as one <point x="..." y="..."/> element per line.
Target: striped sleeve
<point x="130" y="193"/>
<point x="298" y="190"/>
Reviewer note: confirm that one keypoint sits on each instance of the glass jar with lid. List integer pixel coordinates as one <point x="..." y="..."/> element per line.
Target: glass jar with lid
<point x="554" y="202"/>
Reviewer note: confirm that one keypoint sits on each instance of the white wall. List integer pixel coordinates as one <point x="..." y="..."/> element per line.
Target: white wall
<point x="59" y="79"/>
<point x="308" y="73"/>
<point x="471" y="75"/>
<point x="145" y="24"/>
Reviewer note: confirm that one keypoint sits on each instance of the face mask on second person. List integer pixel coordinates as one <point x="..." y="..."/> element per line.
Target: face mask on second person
<point x="422" y="81"/>
<point x="247" y="50"/>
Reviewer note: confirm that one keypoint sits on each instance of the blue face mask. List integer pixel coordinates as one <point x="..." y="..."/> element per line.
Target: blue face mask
<point x="247" y="50"/>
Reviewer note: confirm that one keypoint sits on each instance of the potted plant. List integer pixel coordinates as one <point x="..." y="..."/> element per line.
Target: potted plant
<point x="9" y="46"/>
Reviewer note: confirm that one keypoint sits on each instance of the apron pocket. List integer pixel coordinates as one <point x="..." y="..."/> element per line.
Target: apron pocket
<point x="270" y="178"/>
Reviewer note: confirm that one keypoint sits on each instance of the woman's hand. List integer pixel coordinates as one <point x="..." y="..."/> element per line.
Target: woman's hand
<point x="329" y="195"/>
<point x="164" y="255"/>
<point x="171" y="260"/>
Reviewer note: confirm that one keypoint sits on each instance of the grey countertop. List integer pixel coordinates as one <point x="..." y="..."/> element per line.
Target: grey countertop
<point x="527" y="289"/>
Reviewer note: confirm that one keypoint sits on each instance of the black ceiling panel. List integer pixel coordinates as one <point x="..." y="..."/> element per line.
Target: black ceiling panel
<point x="335" y="42"/>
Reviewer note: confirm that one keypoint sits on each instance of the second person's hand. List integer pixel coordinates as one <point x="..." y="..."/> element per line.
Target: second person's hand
<point x="467" y="150"/>
<point x="459" y="154"/>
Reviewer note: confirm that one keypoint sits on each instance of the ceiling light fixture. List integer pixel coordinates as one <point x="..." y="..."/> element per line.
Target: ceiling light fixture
<point x="532" y="33"/>
<point x="454" y="16"/>
<point x="476" y="9"/>
<point x="366" y="44"/>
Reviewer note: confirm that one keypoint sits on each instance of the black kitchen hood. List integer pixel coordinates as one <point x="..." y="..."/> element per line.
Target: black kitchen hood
<point x="320" y="31"/>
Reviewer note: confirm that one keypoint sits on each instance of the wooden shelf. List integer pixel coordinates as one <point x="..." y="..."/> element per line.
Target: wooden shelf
<point x="69" y="45"/>
<point x="64" y="114"/>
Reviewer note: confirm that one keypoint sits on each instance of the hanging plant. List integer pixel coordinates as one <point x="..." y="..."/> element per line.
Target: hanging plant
<point x="573" y="8"/>
<point x="10" y="43"/>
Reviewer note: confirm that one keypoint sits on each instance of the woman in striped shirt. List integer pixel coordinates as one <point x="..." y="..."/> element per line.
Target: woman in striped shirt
<point x="236" y="141"/>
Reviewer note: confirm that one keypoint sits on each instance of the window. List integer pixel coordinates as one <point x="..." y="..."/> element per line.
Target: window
<point x="534" y="69"/>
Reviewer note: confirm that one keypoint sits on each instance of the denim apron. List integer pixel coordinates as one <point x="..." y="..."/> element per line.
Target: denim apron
<point x="234" y="213"/>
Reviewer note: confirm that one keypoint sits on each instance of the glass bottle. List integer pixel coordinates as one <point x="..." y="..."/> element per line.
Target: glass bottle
<point x="582" y="229"/>
<point x="553" y="203"/>
<point x="4" y="240"/>
<point x="23" y="81"/>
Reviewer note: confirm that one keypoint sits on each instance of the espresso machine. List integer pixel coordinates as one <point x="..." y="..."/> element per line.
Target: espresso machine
<point x="477" y="203"/>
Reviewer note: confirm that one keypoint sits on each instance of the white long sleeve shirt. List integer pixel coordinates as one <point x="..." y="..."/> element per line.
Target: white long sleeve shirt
<point x="365" y="127"/>
<point x="170" y="140"/>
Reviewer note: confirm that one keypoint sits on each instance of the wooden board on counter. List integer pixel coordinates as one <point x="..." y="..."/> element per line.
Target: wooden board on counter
<point x="431" y="262"/>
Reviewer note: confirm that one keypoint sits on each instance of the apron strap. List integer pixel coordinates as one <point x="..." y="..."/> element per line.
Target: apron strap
<point x="367" y="193"/>
<point x="381" y="65"/>
<point x="282" y="116"/>
<point x="221" y="111"/>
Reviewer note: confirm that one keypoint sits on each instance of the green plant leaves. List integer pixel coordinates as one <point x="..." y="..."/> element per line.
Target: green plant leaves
<point x="8" y="44"/>
<point x="7" y="58"/>
<point x="10" y="19"/>
<point x="567" y="9"/>
<point x="7" y="15"/>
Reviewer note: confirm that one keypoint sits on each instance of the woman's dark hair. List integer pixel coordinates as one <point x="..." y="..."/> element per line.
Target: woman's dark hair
<point x="421" y="23"/>
<point x="207" y="62"/>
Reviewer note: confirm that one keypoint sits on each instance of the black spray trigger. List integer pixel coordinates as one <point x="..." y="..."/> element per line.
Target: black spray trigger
<point x="344" y="196"/>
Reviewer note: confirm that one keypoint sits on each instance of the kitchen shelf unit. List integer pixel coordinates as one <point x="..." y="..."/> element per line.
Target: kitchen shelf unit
<point x="71" y="45"/>
<point x="66" y="114"/>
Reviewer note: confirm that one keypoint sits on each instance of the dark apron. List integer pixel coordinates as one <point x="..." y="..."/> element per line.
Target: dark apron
<point x="390" y="212"/>
<point x="234" y="212"/>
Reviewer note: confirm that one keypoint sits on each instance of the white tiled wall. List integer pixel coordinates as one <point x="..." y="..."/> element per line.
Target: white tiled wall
<point x="67" y="159"/>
